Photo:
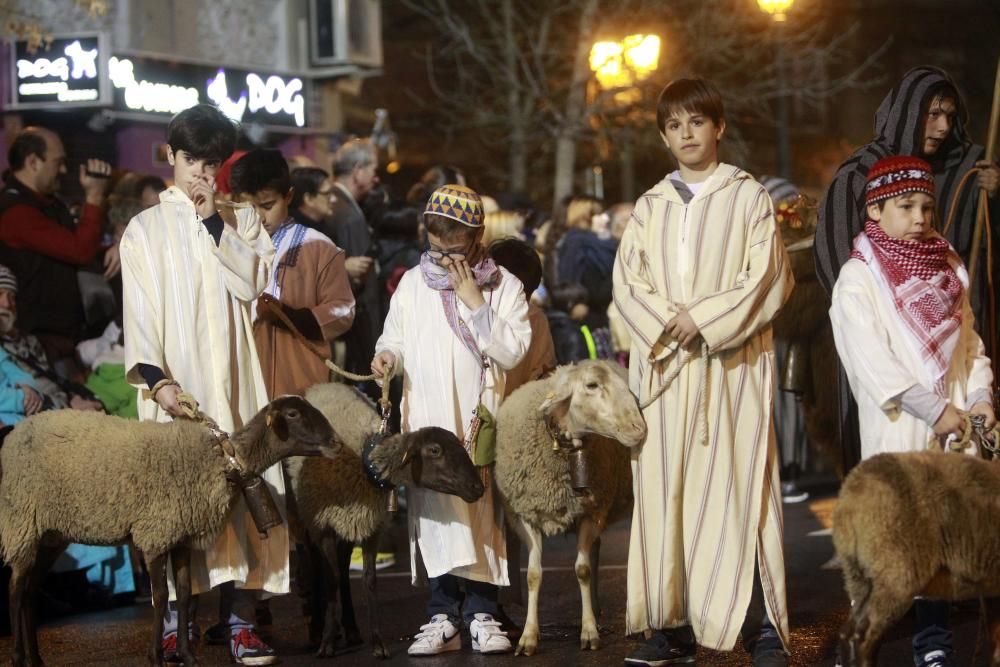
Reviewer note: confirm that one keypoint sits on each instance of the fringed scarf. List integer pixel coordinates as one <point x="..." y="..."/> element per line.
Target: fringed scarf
<point x="925" y="281"/>
<point x="436" y="277"/>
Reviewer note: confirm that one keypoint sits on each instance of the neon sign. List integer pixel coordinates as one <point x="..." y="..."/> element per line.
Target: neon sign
<point x="68" y="72"/>
<point x="154" y="86"/>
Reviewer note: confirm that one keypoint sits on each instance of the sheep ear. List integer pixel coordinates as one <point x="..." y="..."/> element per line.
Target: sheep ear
<point x="561" y="390"/>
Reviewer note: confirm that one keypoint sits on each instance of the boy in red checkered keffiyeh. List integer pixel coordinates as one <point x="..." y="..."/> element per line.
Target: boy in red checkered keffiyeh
<point x="904" y="331"/>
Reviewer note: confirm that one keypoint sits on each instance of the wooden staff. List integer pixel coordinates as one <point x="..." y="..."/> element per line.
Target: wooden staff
<point x="991" y="141"/>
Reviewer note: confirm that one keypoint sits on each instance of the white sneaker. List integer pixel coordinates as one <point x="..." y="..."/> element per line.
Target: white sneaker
<point x="487" y="637"/>
<point x="438" y="636"/>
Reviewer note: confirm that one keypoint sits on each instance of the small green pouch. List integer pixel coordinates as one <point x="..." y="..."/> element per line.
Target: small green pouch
<point x="485" y="451"/>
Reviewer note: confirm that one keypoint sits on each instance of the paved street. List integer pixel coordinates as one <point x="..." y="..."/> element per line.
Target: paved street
<point x="816" y="600"/>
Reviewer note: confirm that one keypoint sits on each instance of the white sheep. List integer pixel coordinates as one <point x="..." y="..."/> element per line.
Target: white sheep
<point x="915" y="524"/>
<point x="590" y="402"/>
<point x="336" y="502"/>
<point x="90" y="478"/>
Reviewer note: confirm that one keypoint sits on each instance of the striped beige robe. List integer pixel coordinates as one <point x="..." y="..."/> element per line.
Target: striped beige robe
<point x="704" y="511"/>
<point x="187" y="311"/>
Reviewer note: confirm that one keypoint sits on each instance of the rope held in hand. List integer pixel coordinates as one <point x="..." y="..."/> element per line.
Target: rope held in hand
<point x="682" y="360"/>
<point x="384" y="402"/>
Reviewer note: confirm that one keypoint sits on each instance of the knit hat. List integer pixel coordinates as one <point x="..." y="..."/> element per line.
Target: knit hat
<point x="7" y="279"/>
<point x="897" y="175"/>
<point x="458" y="203"/>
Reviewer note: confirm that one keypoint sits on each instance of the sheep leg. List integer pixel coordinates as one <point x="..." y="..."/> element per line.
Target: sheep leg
<point x="180" y="558"/>
<point x="369" y="548"/>
<point x="586" y="535"/>
<point x="157" y="568"/>
<point x="19" y="575"/>
<point x="46" y="557"/>
<point x="331" y="627"/>
<point x="883" y="608"/>
<point x="533" y="538"/>
<point x="317" y="589"/>
<point x="348" y="621"/>
<point x="595" y="578"/>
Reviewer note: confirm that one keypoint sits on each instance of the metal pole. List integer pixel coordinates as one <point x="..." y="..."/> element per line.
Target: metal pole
<point x="784" y="161"/>
<point x="628" y="165"/>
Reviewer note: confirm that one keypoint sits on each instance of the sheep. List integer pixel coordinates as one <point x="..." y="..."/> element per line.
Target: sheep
<point x="914" y="524"/>
<point x="92" y="478"/>
<point x="338" y="505"/>
<point x="589" y="401"/>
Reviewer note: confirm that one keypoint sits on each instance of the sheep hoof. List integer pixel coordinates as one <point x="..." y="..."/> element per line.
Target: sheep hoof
<point x="327" y="649"/>
<point x="379" y="650"/>
<point x="590" y="638"/>
<point x="527" y="645"/>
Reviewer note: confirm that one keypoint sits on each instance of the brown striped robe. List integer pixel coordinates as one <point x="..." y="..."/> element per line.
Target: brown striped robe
<point x="704" y="511"/>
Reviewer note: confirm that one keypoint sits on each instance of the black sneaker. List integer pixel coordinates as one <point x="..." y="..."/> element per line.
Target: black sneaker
<point x="247" y="648"/>
<point x="665" y="648"/>
<point x="217" y="634"/>
<point x="770" y="657"/>
<point x="937" y="658"/>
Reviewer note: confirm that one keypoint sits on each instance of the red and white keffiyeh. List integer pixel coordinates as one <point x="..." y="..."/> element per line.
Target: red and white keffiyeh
<point x="925" y="281"/>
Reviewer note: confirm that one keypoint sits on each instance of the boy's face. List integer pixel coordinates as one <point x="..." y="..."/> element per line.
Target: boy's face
<point x="188" y="169"/>
<point x="271" y="206"/>
<point x="692" y="138"/>
<point x="937" y="126"/>
<point x="444" y="252"/>
<point x="321" y="203"/>
<point x="909" y="217"/>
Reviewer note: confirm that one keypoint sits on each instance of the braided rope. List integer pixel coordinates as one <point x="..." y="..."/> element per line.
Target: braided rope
<point x="682" y="360"/>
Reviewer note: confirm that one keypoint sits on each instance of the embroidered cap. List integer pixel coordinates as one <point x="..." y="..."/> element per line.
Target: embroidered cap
<point x="458" y="203"/>
<point x="8" y="280"/>
<point x="897" y="175"/>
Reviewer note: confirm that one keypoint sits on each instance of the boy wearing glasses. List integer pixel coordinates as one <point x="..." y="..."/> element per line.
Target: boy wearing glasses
<point x="457" y="323"/>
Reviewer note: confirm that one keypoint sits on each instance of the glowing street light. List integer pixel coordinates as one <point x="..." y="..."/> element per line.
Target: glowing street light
<point x="775" y="8"/>
<point x="623" y="64"/>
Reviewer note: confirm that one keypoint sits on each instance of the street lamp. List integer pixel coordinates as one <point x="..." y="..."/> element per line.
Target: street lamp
<point x="777" y="10"/>
<point x="619" y="66"/>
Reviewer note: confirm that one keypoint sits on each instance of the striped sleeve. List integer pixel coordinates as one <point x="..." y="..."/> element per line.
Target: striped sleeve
<point x="644" y="311"/>
<point x="728" y="318"/>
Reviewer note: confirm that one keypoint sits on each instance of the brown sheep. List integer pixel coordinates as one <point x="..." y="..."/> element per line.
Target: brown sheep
<point x="954" y="499"/>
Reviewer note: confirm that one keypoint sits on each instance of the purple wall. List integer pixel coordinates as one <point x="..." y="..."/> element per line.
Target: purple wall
<point x="135" y="148"/>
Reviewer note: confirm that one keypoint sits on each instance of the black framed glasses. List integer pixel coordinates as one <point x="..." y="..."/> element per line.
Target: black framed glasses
<point x="453" y="255"/>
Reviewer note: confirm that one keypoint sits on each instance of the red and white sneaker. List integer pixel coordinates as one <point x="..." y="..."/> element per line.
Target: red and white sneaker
<point x="247" y="648"/>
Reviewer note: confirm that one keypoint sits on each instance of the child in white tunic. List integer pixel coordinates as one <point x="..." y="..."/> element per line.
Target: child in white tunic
<point x="457" y="323"/>
<point x="904" y="331"/>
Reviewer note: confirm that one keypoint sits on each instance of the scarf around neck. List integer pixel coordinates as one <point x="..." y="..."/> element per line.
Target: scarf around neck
<point x="436" y="277"/>
<point x="924" y="280"/>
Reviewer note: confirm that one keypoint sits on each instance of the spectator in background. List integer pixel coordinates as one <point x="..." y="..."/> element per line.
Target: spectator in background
<point x="312" y="198"/>
<point x="567" y="313"/>
<point x="43" y="245"/>
<point x="619" y="215"/>
<point x="27" y="353"/>
<point x="354" y="177"/>
<point x="502" y="225"/>
<point x="148" y="189"/>
<point x="399" y="248"/>
<point x="433" y="179"/>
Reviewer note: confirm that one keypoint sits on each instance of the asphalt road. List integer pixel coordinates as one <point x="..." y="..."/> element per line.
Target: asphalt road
<point x="816" y="600"/>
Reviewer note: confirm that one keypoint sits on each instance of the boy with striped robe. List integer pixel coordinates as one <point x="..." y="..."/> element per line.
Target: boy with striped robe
<point x="700" y="274"/>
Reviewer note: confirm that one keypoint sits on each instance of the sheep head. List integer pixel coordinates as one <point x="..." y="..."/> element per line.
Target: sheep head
<point x="287" y="426"/>
<point x="592" y="397"/>
<point x="431" y="458"/>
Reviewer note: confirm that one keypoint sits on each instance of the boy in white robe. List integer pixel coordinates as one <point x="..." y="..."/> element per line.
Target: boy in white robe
<point x="457" y="323"/>
<point x="905" y="334"/>
<point x="190" y="274"/>
<point x="700" y="274"/>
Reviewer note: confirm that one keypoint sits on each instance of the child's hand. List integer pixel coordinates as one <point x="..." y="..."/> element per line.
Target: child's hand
<point x="986" y="410"/>
<point x="463" y="281"/>
<point x="32" y="399"/>
<point x="202" y="193"/>
<point x="682" y="327"/>
<point x="264" y="312"/>
<point x="989" y="176"/>
<point x="383" y="363"/>
<point x="952" y="420"/>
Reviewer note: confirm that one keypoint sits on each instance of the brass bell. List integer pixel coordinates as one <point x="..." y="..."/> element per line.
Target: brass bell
<point x="261" y="505"/>
<point x="795" y="375"/>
